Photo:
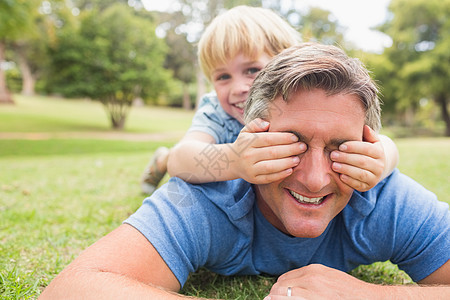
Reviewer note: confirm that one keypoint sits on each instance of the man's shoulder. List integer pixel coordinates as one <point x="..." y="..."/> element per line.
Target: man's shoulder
<point x="397" y="189"/>
<point x="401" y="189"/>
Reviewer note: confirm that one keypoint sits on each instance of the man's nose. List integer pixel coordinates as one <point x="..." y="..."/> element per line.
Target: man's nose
<point x="314" y="170"/>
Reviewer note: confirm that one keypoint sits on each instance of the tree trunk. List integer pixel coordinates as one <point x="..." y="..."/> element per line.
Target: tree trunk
<point x="5" y="95"/>
<point x="117" y="111"/>
<point x="186" y="98"/>
<point x="28" y="79"/>
<point x="442" y="101"/>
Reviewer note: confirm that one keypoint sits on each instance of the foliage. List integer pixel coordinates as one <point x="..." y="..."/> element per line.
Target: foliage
<point x="16" y="16"/>
<point x="113" y="56"/>
<point x="318" y="25"/>
<point x="419" y="56"/>
<point x="16" y="21"/>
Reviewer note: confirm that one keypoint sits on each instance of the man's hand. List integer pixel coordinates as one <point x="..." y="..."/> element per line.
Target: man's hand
<point x="361" y="164"/>
<point x="321" y="282"/>
<point x="263" y="157"/>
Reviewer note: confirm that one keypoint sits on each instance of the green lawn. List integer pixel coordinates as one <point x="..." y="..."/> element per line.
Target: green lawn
<point x="57" y="196"/>
<point x="46" y="114"/>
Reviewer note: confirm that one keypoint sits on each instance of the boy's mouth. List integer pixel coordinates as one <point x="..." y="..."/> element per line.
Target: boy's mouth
<point x="240" y="105"/>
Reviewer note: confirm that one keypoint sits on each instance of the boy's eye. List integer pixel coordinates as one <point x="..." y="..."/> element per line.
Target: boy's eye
<point x="251" y="71"/>
<point x="223" y="77"/>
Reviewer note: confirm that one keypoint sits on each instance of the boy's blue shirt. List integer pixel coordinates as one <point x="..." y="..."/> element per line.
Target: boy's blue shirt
<point x="210" y="118"/>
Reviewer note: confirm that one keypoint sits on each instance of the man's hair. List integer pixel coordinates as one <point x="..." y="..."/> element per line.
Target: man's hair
<point x="246" y="30"/>
<point x="309" y="66"/>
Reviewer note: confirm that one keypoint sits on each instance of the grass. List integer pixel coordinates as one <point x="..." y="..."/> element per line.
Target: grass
<point x="58" y="195"/>
<point x="46" y="114"/>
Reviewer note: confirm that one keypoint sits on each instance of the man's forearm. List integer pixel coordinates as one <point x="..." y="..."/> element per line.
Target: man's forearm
<point x="417" y="292"/>
<point x="95" y="284"/>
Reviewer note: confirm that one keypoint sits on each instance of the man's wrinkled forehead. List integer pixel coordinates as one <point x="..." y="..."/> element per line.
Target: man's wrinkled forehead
<point x="311" y="115"/>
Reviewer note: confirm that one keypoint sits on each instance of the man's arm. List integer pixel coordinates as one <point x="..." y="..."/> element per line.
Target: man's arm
<point x="440" y="276"/>
<point x="321" y="282"/>
<point x="123" y="264"/>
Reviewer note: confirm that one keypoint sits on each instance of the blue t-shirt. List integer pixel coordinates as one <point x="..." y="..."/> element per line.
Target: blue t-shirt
<point x="210" y="118"/>
<point x="193" y="226"/>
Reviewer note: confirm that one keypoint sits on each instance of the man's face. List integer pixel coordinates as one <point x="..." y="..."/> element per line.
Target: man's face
<point x="304" y="203"/>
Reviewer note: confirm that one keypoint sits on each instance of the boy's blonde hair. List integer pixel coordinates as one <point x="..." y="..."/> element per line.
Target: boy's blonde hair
<point x="246" y="30"/>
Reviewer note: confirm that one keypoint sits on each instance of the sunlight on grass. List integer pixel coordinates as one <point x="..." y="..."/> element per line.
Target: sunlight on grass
<point x="46" y="114"/>
<point x="427" y="160"/>
<point x="52" y="208"/>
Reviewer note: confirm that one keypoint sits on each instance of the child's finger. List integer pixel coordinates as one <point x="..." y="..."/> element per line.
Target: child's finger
<point x="361" y="148"/>
<point x="266" y="139"/>
<point x="279" y="151"/>
<point x="257" y="125"/>
<point x="354" y="183"/>
<point x="271" y="177"/>
<point x="369" y="135"/>
<point x="358" y="179"/>
<point x="276" y="165"/>
<point x="357" y="160"/>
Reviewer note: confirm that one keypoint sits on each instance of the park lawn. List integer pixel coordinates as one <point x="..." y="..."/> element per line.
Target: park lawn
<point x="58" y="196"/>
<point x="49" y="114"/>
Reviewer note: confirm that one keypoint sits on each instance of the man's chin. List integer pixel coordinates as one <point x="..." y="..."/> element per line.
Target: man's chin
<point x="306" y="230"/>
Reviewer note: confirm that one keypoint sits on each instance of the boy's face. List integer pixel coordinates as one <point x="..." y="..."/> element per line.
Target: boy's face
<point x="232" y="82"/>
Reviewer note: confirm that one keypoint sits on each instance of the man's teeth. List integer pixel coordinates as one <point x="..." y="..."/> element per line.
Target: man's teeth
<point x="303" y="199"/>
<point x="240" y="105"/>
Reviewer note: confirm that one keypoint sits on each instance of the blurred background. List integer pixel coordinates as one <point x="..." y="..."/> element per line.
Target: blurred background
<point x="143" y="52"/>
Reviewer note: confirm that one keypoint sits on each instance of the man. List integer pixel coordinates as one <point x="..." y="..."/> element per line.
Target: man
<point x="310" y="226"/>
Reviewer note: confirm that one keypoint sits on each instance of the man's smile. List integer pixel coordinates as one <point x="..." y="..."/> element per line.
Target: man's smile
<point x="306" y="200"/>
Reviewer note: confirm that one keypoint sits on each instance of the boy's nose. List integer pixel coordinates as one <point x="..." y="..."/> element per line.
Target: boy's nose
<point x="241" y="87"/>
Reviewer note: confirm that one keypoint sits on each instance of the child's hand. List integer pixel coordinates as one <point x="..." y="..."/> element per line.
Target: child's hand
<point x="264" y="157"/>
<point x="361" y="164"/>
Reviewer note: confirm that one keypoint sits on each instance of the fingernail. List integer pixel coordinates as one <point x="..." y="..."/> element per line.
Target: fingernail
<point x="337" y="166"/>
<point x="295" y="159"/>
<point x="302" y="146"/>
<point x="294" y="138"/>
<point x="264" y="124"/>
<point x="343" y="147"/>
<point x="334" y="155"/>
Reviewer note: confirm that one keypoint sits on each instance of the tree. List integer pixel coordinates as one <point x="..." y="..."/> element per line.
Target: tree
<point x="419" y="29"/>
<point x="181" y="57"/>
<point x="114" y="56"/>
<point x="16" y="20"/>
<point x="30" y="52"/>
<point x="318" y="25"/>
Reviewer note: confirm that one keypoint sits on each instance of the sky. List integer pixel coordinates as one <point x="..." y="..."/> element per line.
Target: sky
<point x="357" y="16"/>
